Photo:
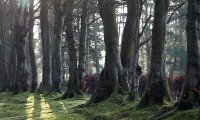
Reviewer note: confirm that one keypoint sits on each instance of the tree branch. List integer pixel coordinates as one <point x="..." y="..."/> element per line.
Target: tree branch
<point x="143" y="28"/>
<point x="144" y="42"/>
<point x="36" y="3"/>
<point x="179" y="6"/>
<point x="93" y="21"/>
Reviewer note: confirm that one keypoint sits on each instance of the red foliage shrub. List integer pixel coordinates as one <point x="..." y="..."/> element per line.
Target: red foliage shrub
<point x="89" y="83"/>
<point x="142" y="84"/>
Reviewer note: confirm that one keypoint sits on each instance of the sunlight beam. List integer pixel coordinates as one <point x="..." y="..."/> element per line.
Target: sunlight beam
<point x="30" y="107"/>
<point x="1" y="105"/>
<point x="63" y="106"/>
<point x="46" y="112"/>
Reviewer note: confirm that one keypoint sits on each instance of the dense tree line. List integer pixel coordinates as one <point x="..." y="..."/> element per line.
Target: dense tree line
<point x="73" y="34"/>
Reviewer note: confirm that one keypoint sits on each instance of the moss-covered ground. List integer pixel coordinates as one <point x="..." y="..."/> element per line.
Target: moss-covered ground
<point x="35" y="107"/>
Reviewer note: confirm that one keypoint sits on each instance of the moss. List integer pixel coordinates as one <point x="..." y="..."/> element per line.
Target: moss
<point x="33" y="106"/>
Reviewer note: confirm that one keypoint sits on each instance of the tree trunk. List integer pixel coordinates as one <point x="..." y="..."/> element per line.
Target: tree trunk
<point x="129" y="38"/>
<point x="82" y="44"/>
<point x="156" y="89"/>
<point x="189" y="95"/>
<point x="87" y="67"/>
<point x="57" y="62"/>
<point x="73" y="82"/>
<point x="110" y="79"/>
<point x="96" y="47"/>
<point x="31" y="48"/>
<point x="20" y="31"/>
<point x="13" y="61"/>
<point x="3" y="71"/>
<point x="134" y="83"/>
<point x="46" y="83"/>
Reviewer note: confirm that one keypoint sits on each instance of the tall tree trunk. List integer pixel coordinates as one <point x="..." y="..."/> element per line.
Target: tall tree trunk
<point x="129" y="39"/>
<point x="148" y="45"/>
<point x="110" y="80"/>
<point x="156" y="89"/>
<point x="57" y="62"/>
<point x="13" y="61"/>
<point x="193" y="57"/>
<point x="73" y="82"/>
<point x="31" y="48"/>
<point x="96" y="46"/>
<point x="82" y="44"/>
<point x="3" y="71"/>
<point x="46" y="83"/>
<point x="134" y="64"/>
<point x="20" y="31"/>
<point x="87" y="64"/>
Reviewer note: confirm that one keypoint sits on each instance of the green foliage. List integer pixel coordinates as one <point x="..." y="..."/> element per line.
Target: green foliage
<point x="180" y="54"/>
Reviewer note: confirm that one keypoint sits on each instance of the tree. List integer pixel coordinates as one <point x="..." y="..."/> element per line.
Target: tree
<point x="156" y="89"/>
<point x="73" y="82"/>
<point x="129" y="39"/>
<point x="82" y="44"/>
<point x="189" y="95"/>
<point x="31" y="47"/>
<point x="3" y="71"/>
<point x="57" y="62"/>
<point x="110" y="79"/>
<point x="46" y="84"/>
<point x="96" y="47"/>
<point x="20" y="32"/>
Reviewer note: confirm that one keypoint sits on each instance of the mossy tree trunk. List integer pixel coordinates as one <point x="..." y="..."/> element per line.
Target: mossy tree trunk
<point x="73" y="82"/>
<point x="156" y="89"/>
<point x="31" y="47"/>
<point x="193" y="55"/>
<point x="129" y="41"/>
<point x="46" y="84"/>
<point x="57" y="62"/>
<point x="111" y="77"/>
<point x="82" y="44"/>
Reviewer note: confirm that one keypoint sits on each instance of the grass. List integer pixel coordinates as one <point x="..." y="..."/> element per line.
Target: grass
<point x="37" y="107"/>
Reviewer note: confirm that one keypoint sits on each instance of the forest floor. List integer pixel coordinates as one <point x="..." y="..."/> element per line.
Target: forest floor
<point x="35" y="107"/>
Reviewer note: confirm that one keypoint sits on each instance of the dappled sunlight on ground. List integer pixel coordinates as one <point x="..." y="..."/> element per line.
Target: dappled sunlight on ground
<point x="1" y="104"/>
<point x="63" y="106"/>
<point x="46" y="112"/>
<point x="30" y="107"/>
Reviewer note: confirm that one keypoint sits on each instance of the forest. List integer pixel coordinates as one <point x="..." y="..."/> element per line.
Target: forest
<point x="100" y="59"/>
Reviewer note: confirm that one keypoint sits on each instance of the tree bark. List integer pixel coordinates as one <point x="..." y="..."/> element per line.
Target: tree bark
<point x="3" y="64"/>
<point x="20" y="32"/>
<point x="31" y="48"/>
<point x="96" y="47"/>
<point x="193" y="57"/>
<point x="129" y="40"/>
<point x="82" y="44"/>
<point x="73" y="82"/>
<point x="46" y="83"/>
<point x="57" y="62"/>
<point x="110" y="79"/>
<point x="156" y="89"/>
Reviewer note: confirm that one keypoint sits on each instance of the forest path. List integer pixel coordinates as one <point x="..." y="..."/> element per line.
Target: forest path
<point x="31" y="106"/>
